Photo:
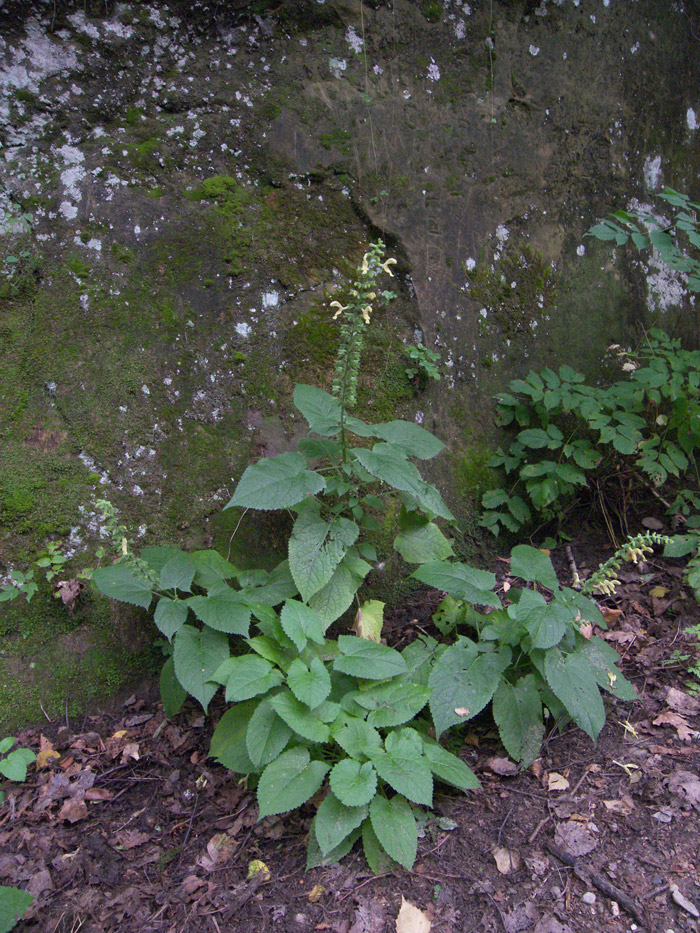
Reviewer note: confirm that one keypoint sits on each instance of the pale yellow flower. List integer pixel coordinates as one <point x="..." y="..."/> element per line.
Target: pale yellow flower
<point x="337" y="304"/>
<point x="365" y="264"/>
<point x="366" y="311"/>
<point x="387" y="264"/>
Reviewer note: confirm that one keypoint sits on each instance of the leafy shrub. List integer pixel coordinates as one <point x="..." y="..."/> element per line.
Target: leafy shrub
<point x="14" y="903"/>
<point x="13" y="764"/>
<point x="571" y="435"/>
<point x="526" y="657"/>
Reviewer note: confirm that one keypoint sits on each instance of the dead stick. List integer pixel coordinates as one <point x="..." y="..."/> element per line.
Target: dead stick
<point x="590" y="877"/>
<point x="574" y="569"/>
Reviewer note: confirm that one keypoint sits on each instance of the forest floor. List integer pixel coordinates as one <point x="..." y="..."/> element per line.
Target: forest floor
<point x="128" y="827"/>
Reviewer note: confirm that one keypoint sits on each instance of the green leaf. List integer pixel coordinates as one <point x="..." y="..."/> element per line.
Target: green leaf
<point x="228" y="744"/>
<point x="300" y="623"/>
<point x="322" y="411"/>
<point x="535" y="438"/>
<point x="367" y="659"/>
<point x="393" y="703"/>
<point x="404" y="767"/>
<point x="337" y="595"/>
<point x="121" y="583"/>
<point x="357" y="737"/>
<point x="460" y="580"/>
<point x="334" y="821"/>
<point x="276" y="483"/>
<point x="226" y="612"/>
<point x="299" y="718"/>
<point x="197" y="655"/>
<point x="247" y="676"/>
<point x="604" y="660"/>
<point x="178" y="573"/>
<point x="266" y="736"/>
<point x="316" y="547"/>
<point x="170" y="616"/>
<point x="370" y="620"/>
<point x="389" y="464"/>
<point x="395" y="827"/>
<point x="353" y="783"/>
<point x="377" y="859"/>
<point x="14" y="767"/>
<point x="529" y="563"/>
<point x="425" y="543"/>
<point x="464" y="679"/>
<point x="572" y="680"/>
<point x="414" y="440"/>
<point x="290" y="781"/>
<point x="212" y="571"/>
<point x="14" y="903"/>
<point x="316" y="859"/>
<point x="310" y="685"/>
<point x="449" y="768"/>
<point x="278" y="587"/>
<point x="172" y="693"/>
<point x="6" y="744"/>
<point x="517" y="710"/>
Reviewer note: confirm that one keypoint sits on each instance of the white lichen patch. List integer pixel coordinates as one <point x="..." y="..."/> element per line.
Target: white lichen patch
<point x="36" y="57"/>
<point x="691" y="119"/>
<point x="355" y="42"/>
<point x="652" y="172"/>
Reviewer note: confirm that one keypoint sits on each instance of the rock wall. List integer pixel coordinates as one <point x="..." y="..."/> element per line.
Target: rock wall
<point x="183" y="187"/>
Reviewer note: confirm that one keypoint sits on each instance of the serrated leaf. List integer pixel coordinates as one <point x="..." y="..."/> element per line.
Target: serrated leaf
<point x="404" y="767"/>
<point x="178" y="573"/>
<point x="393" y="703"/>
<point x="14" y="767"/>
<point x="378" y="860"/>
<point x="604" y="660"/>
<point x="547" y="624"/>
<point x="247" y="676"/>
<point x="299" y="717"/>
<point x="337" y="595"/>
<point x="14" y="903"/>
<point x="290" y="781"/>
<point x="367" y="659"/>
<point x="226" y="612"/>
<point x="426" y="543"/>
<point x="353" y="783"/>
<point x="316" y="547"/>
<point x="414" y="440"/>
<point x="571" y="678"/>
<point x="369" y="620"/>
<point x="212" y="570"/>
<point x="170" y="616"/>
<point x="278" y="586"/>
<point x="449" y="768"/>
<point x="334" y="821"/>
<point x="197" y="654"/>
<point x="531" y="564"/>
<point x="172" y="693"/>
<point x="266" y="736"/>
<point x="357" y="738"/>
<point x="389" y="464"/>
<point x="460" y="580"/>
<point x="301" y="623"/>
<point x="321" y="410"/>
<point x="276" y="483"/>
<point x="464" y="679"/>
<point x="517" y="710"/>
<point x="228" y="744"/>
<point x="310" y="685"/>
<point x="316" y="859"/>
<point x="120" y="583"/>
<point x="395" y="828"/>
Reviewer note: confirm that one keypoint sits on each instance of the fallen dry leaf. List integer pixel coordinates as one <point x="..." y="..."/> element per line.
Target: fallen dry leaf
<point x="503" y="766"/>
<point x="219" y="849"/>
<point x="462" y="711"/>
<point x="191" y="883"/>
<point x="45" y="756"/>
<point x="575" y="839"/>
<point x="586" y="629"/>
<point x="682" y="703"/>
<point x="681" y="725"/>
<point x="683" y="901"/>
<point x="610" y="615"/>
<point x="507" y="860"/>
<point x="556" y="781"/>
<point x="73" y="810"/>
<point x="258" y="867"/>
<point x="131" y="838"/>
<point x="686" y="785"/>
<point x="623" y="806"/>
<point x="411" y="920"/>
<point x="658" y="592"/>
<point x="316" y="893"/>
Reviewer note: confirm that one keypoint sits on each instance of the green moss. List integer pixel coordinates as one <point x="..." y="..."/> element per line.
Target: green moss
<point x="336" y="139"/>
<point x="133" y="115"/>
<point x="472" y="474"/>
<point x="78" y="266"/>
<point x="26" y="96"/>
<point x="122" y="253"/>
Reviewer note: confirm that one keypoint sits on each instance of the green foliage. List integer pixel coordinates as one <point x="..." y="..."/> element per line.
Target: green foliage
<point x="422" y="364"/>
<point x="14" y="903"/>
<point x="529" y="654"/>
<point x="571" y="435"/>
<point x="669" y="239"/>
<point x="13" y="762"/>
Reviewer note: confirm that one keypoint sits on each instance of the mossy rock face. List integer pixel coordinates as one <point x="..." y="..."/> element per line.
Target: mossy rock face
<point x="192" y="216"/>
